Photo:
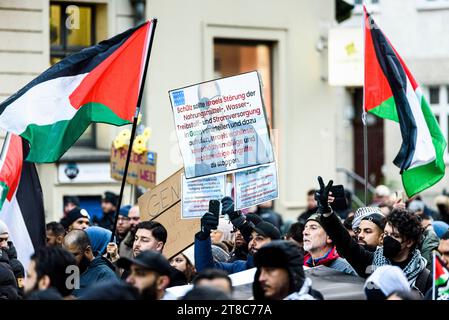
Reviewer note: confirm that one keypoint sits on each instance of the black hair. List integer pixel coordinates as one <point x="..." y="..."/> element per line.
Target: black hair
<point x="295" y="231"/>
<point x="348" y="222"/>
<point x="157" y="230"/>
<point x="407" y="223"/>
<point x="53" y="262"/>
<point x="445" y="236"/>
<point x="72" y="199"/>
<point x="205" y="293"/>
<point x="79" y="238"/>
<point x="56" y="228"/>
<point x="311" y="192"/>
<point x="210" y="274"/>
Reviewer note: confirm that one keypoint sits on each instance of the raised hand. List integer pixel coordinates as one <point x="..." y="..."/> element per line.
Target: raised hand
<point x="322" y="196"/>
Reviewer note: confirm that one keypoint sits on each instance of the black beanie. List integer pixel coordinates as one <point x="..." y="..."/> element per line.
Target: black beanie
<point x="74" y="215"/>
<point x="280" y="254"/>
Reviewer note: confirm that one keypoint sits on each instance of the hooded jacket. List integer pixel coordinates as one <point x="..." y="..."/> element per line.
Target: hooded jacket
<point x="8" y="285"/>
<point x="287" y="255"/>
<point x="99" y="270"/>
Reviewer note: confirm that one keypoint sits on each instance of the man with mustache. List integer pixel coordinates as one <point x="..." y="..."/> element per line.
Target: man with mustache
<point x="92" y="269"/>
<point x="402" y="235"/>
<point x="152" y="236"/>
<point x="259" y="234"/>
<point x="320" y="249"/>
<point x="368" y="226"/>
<point x="280" y="274"/>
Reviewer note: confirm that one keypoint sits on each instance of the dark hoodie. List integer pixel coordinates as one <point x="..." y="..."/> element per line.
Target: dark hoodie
<point x="282" y="254"/>
<point x="48" y="294"/>
<point x="8" y="285"/>
<point x="100" y="269"/>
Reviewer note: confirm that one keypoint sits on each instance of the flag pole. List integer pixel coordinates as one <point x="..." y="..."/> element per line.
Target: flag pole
<point x="365" y="128"/>
<point x="133" y="130"/>
<point x="433" y="274"/>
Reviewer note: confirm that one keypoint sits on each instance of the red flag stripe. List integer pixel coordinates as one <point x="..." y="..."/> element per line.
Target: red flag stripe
<point x="12" y="163"/>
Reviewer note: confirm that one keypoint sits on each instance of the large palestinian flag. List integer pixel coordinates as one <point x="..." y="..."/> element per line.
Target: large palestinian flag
<point x="98" y="84"/>
<point x="391" y="92"/>
<point x="22" y="207"/>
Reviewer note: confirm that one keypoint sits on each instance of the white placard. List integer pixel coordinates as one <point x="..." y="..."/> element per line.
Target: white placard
<point x="197" y="193"/>
<point x="221" y="125"/>
<point x="255" y="186"/>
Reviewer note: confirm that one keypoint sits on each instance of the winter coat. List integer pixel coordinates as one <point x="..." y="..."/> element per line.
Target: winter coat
<point x="331" y="260"/>
<point x="99" y="270"/>
<point x="48" y="294"/>
<point x="429" y="243"/>
<point x="204" y="259"/>
<point x="125" y="249"/>
<point x="364" y="261"/>
<point x="286" y="255"/>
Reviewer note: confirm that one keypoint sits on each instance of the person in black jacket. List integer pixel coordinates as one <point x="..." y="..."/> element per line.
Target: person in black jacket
<point x="47" y="274"/>
<point x="402" y="234"/>
<point x="280" y="273"/>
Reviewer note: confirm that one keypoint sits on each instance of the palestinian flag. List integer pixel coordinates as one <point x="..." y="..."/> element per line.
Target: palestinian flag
<point x="98" y="84"/>
<point x="391" y="92"/>
<point x="22" y="207"/>
<point x="441" y="276"/>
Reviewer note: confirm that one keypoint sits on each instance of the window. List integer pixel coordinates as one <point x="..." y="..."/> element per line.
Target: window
<point x="72" y="28"/>
<point x="432" y="4"/>
<point x="232" y="57"/>
<point x="360" y="2"/>
<point x="438" y="98"/>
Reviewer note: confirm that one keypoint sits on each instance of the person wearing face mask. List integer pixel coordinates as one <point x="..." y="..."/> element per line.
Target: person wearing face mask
<point x="402" y="234"/>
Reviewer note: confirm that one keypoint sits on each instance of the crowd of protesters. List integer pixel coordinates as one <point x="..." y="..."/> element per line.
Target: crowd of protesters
<point x="389" y="244"/>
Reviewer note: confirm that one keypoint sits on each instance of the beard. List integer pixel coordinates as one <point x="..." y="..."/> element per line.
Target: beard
<point x="29" y="295"/>
<point x="84" y="264"/>
<point x="310" y="246"/>
<point x="150" y="293"/>
<point x="369" y="247"/>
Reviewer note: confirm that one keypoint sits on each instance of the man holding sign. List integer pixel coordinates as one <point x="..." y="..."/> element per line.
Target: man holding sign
<point x="261" y="234"/>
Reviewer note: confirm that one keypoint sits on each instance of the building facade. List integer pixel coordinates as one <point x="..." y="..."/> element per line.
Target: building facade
<point x="315" y="126"/>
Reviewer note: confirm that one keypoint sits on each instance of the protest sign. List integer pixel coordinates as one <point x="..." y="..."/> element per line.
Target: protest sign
<point x="255" y="186"/>
<point x="141" y="170"/>
<point x="167" y="193"/>
<point x="197" y="193"/>
<point x="221" y="125"/>
<point x="163" y="204"/>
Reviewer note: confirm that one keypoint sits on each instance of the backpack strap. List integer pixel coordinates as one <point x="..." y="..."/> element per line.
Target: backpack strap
<point x="422" y="280"/>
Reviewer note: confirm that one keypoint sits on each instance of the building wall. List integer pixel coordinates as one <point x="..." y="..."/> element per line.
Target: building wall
<point x="418" y="34"/>
<point x="307" y="134"/>
<point x="25" y="53"/>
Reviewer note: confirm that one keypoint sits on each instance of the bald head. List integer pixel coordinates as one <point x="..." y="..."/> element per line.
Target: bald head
<point x="77" y="242"/>
<point x="134" y="217"/>
<point x="77" y="238"/>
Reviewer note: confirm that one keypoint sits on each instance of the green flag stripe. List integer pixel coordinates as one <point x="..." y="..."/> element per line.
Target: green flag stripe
<point x="48" y="143"/>
<point x="4" y="192"/>
<point x="420" y="178"/>
<point x="386" y="110"/>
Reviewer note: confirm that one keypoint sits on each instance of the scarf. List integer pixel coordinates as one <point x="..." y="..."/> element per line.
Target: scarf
<point x="411" y="270"/>
<point x="330" y="256"/>
<point x="303" y="293"/>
